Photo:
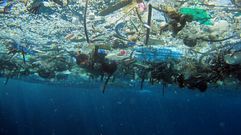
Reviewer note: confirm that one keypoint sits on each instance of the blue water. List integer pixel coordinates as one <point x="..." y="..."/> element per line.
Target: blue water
<point x="36" y="109"/>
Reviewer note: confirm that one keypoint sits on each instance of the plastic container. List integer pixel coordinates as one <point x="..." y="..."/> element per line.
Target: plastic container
<point x="156" y="54"/>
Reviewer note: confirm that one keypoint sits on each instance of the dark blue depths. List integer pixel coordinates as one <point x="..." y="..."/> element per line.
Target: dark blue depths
<point x="34" y="109"/>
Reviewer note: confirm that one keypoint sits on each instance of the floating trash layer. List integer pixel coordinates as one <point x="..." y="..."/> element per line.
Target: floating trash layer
<point x="193" y="44"/>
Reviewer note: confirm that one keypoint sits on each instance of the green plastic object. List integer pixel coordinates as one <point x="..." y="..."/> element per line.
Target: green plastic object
<point x="237" y="14"/>
<point x="199" y="15"/>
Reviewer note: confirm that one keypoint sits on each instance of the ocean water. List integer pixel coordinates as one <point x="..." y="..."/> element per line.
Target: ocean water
<point x="37" y="109"/>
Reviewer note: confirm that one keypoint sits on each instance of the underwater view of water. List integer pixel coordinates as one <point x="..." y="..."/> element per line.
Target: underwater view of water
<point x="37" y="109"/>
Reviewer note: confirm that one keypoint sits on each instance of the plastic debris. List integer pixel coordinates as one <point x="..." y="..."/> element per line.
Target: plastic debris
<point x="198" y="14"/>
<point x="163" y="46"/>
<point x="3" y="3"/>
<point x="156" y="54"/>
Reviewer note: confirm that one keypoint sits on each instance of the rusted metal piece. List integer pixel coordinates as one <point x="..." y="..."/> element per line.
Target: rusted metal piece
<point x="115" y="7"/>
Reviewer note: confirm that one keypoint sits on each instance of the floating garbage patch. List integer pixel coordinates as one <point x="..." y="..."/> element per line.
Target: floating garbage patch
<point x="193" y="44"/>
